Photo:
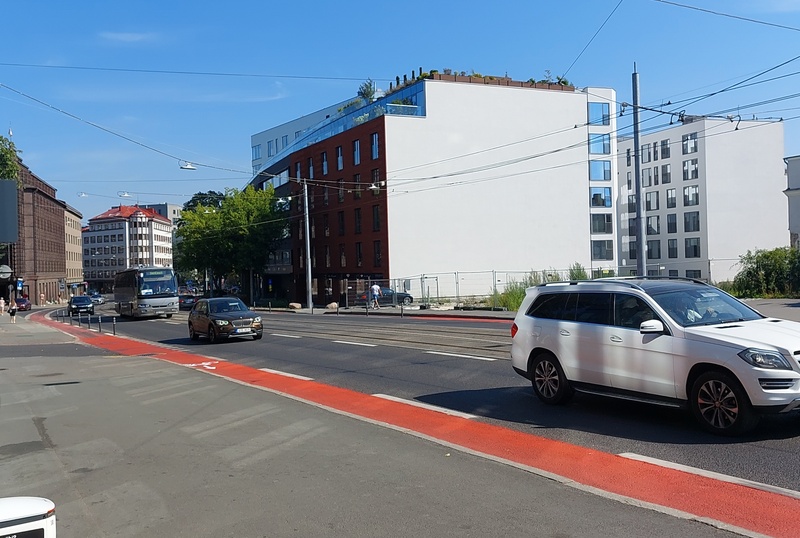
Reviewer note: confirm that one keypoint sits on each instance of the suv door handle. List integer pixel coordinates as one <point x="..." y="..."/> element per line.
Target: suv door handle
<point x="564" y="332"/>
<point x="616" y="338"/>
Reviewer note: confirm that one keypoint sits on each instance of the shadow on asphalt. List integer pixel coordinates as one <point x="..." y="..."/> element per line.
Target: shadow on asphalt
<point x="603" y="416"/>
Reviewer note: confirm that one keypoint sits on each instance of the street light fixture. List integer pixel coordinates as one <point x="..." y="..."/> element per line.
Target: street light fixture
<point x="186" y="165"/>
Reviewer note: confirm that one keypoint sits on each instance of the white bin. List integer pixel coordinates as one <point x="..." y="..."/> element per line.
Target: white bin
<point x="27" y="517"/>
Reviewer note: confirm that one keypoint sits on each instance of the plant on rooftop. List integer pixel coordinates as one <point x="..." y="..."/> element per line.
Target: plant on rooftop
<point x="9" y="160"/>
<point x="367" y="90"/>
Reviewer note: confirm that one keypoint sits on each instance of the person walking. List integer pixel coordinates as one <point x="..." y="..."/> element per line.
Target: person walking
<point x="376" y="292"/>
<point x="12" y="311"/>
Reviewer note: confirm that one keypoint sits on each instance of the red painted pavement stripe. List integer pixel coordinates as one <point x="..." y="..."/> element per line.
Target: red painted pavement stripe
<point x="759" y="511"/>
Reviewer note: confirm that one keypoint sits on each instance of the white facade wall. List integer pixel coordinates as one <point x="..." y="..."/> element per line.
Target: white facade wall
<point x="492" y="178"/>
<point x="793" y="193"/>
<point x="741" y="203"/>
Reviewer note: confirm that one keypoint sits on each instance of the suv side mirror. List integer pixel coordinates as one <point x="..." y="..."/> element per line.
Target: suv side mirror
<point x="651" y="326"/>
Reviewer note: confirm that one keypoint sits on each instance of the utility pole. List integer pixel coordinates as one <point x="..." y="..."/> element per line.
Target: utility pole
<point x="641" y="228"/>
<point x="308" y="246"/>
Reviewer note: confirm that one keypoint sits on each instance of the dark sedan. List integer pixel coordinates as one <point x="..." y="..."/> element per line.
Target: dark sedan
<point x="23" y="303"/>
<point x="388" y="297"/>
<point x="223" y="317"/>
<point x="80" y="304"/>
<point x="186" y="301"/>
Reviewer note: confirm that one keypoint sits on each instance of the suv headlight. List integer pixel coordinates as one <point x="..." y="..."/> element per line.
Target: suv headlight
<point x="761" y="358"/>
<point x="221" y="322"/>
<point x="257" y="319"/>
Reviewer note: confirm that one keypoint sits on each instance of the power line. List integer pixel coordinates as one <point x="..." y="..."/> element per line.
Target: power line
<point x="592" y="39"/>
<point x="721" y="14"/>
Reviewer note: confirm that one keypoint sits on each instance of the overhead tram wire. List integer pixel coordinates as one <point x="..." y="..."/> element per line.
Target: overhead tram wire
<point x="114" y="133"/>
<point x="721" y="14"/>
<point x="592" y="39"/>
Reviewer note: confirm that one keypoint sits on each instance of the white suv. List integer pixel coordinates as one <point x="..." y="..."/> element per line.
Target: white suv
<point x="668" y="341"/>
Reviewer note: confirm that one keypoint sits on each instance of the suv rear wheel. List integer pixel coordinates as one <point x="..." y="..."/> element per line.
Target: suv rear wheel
<point x="549" y="382"/>
<point x="721" y="405"/>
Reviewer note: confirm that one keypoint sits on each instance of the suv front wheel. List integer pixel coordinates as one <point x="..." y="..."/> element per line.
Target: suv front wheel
<point x="548" y="379"/>
<point x="721" y="405"/>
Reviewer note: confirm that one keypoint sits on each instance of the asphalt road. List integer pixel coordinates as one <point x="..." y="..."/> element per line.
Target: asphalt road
<point x="130" y="445"/>
<point x="463" y="365"/>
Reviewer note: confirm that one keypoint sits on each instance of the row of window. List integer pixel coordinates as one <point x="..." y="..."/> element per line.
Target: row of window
<point x="651" y="151"/>
<point x="691" y="247"/>
<point x="357" y="223"/>
<point x="602" y="223"/>
<point x="359" y="255"/>
<point x="691" y="197"/>
<point x="323" y="159"/>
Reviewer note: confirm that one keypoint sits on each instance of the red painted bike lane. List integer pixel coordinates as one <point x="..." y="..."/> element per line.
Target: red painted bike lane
<point x="750" y="509"/>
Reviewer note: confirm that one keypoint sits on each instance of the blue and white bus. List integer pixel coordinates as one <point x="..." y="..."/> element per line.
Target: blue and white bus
<point x="146" y="291"/>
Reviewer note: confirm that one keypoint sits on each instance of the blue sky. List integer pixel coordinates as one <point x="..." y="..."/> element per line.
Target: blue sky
<point x="77" y="77"/>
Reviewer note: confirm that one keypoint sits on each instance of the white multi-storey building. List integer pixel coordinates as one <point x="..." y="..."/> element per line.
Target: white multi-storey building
<point x="122" y="237"/>
<point x="712" y="189"/>
<point x="793" y="193"/>
<point x="457" y="174"/>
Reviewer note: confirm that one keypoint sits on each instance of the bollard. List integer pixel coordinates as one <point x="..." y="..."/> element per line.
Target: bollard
<point x="114" y="326"/>
<point x="269" y="307"/>
<point x="401" y="310"/>
<point x="100" y="324"/>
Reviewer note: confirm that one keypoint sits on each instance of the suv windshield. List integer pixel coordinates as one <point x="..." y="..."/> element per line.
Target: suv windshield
<point x="708" y="306"/>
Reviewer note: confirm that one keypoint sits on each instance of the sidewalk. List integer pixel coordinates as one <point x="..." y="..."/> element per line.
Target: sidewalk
<point x="25" y="331"/>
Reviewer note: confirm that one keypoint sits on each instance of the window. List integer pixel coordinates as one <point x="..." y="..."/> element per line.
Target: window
<point x="691" y="195"/>
<point x="310" y="168"/>
<point x="325" y="195"/>
<point x="339" y="158"/>
<point x="692" y="245"/>
<point x="633" y="230"/>
<point x="376" y="182"/>
<point x="376" y="253"/>
<point x="603" y="250"/>
<point x="647" y="177"/>
<point x="600" y="170"/>
<point x="342" y="257"/>
<point x="341" y="190"/>
<point x="689" y="143"/>
<point x="356" y="152"/>
<point x="693" y="273"/>
<point x="653" y="225"/>
<point x="630" y="182"/>
<point x="256" y="152"/>
<point x="376" y="218"/>
<point x="270" y="151"/>
<point x="357" y="186"/>
<point x="646" y="157"/>
<point x="654" y="249"/>
<point x="690" y="169"/>
<point x="691" y="221"/>
<point x="324" y="163"/>
<point x="666" y="173"/>
<point x="327" y="256"/>
<point x="672" y="223"/>
<point x="671" y="200"/>
<point x="600" y="196"/>
<point x="359" y="255"/>
<point x="628" y="157"/>
<point x="594" y="308"/>
<point x="655" y="174"/>
<point x="326" y="225"/>
<point x="374" y="146"/>
<point x="672" y="248"/>
<point x="602" y="223"/>
<point x="632" y="250"/>
<point x="297" y="173"/>
<point x="655" y="151"/>
<point x="665" y="149"/>
<point x="340" y="216"/>
<point x="630" y="311"/>
<point x="357" y="217"/>
<point x="600" y="144"/>
<point x="284" y="141"/>
<point x="651" y="201"/>
<point x="599" y="114"/>
<point x="631" y="203"/>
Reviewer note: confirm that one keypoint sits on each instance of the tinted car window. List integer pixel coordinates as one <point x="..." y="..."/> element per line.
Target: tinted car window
<point x="594" y="308"/>
<point x="630" y="311"/>
<point x="549" y="306"/>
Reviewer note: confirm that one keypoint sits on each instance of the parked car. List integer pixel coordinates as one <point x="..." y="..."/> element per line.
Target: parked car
<point x="186" y="301"/>
<point x="665" y="341"/>
<point x="23" y="303"/>
<point x="388" y="297"/>
<point x="81" y="304"/>
<point x="223" y="317"/>
<point x="97" y="298"/>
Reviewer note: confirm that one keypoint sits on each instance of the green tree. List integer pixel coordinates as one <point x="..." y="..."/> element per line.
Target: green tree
<point x="366" y="90"/>
<point x="9" y="160"/>
<point x="577" y="272"/>
<point x="210" y="199"/>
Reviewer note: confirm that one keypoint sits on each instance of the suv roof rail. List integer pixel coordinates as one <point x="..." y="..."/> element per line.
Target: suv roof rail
<point x="622" y="280"/>
<point x="656" y="277"/>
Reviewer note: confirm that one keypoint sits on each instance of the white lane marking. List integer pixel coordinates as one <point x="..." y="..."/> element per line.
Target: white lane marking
<point x="285" y="335"/>
<point x="711" y="474"/>
<point x="354" y="343"/>
<point x="460" y="356"/>
<point x="269" y="370"/>
<point x="176" y="395"/>
<point x="426" y="406"/>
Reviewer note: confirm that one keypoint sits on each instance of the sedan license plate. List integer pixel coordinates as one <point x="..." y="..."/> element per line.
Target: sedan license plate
<point x="239" y="331"/>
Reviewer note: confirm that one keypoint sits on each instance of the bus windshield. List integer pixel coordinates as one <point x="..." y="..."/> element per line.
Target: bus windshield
<point x="156" y="282"/>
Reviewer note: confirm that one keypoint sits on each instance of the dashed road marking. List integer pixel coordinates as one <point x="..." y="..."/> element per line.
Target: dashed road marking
<point x="460" y="356"/>
<point x="287" y="374"/>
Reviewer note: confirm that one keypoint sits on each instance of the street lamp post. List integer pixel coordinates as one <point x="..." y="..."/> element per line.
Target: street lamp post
<point x="308" y="246"/>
